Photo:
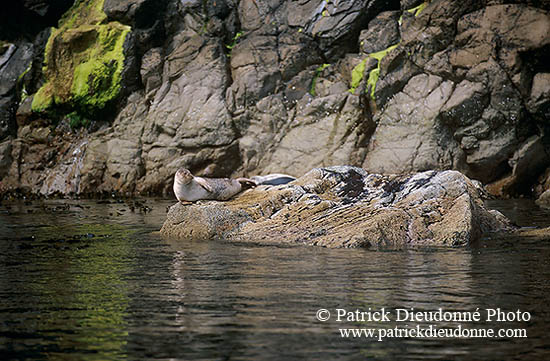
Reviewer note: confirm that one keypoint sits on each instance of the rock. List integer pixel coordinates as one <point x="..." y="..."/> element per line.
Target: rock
<point x="26" y="18"/>
<point x="409" y="4"/>
<point x="481" y="117"/>
<point x="345" y="207"/>
<point x="15" y="61"/>
<point x="334" y="24"/>
<point x="542" y="184"/>
<point x="5" y="159"/>
<point x="531" y="158"/>
<point x="259" y="63"/>
<point x="381" y="33"/>
<point x="24" y="114"/>
<point x="544" y="199"/>
<point x="519" y="237"/>
<point x="145" y="19"/>
<point x="85" y="66"/>
<point x="129" y="12"/>
<point x="539" y="101"/>
<point x="151" y="70"/>
<point x="64" y="178"/>
<point x="528" y="161"/>
<point x="336" y="120"/>
<point x="408" y="136"/>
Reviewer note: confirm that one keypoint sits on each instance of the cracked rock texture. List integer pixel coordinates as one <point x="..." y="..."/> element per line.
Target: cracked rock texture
<point x="245" y="87"/>
<point x="345" y="206"/>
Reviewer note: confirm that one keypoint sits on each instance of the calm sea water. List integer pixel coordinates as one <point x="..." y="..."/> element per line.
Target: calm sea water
<point x="91" y="280"/>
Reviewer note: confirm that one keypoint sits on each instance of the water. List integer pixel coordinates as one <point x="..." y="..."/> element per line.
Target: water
<point x="89" y="280"/>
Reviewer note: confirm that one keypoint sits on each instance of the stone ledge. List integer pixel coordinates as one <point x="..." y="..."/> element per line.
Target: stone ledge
<point x="345" y="206"/>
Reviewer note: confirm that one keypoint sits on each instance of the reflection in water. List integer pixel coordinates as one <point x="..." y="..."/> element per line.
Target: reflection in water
<point x="90" y="281"/>
<point x="61" y="295"/>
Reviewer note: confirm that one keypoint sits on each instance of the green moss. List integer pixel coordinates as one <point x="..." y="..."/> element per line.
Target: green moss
<point x="43" y="99"/>
<point x="97" y="81"/>
<point x="83" y="61"/>
<point x="83" y="12"/>
<point x="357" y="75"/>
<point x="314" y="80"/>
<point x="76" y="120"/>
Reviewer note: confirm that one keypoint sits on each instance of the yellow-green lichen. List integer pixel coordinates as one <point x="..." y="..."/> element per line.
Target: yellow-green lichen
<point x="234" y="40"/>
<point x="42" y="99"/>
<point x="375" y="73"/>
<point x="359" y="70"/>
<point x="83" y="60"/>
<point x="357" y="75"/>
<point x="83" y="12"/>
<point x="416" y="10"/>
<point x="98" y="80"/>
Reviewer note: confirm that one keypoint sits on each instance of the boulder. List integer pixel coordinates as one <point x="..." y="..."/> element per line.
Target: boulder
<point x="85" y="64"/>
<point x="5" y="158"/>
<point x="544" y="200"/>
<point x="345" y="206"/>
<point x="539" y="101"/>
<point x="381" y="33"/>
<point x="15" y="61"/>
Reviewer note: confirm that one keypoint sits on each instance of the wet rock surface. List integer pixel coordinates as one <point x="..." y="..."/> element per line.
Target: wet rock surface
<point x="345" y="206"/>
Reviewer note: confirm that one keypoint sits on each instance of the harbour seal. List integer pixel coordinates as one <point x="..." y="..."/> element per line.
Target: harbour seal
<point x="189" y="188"/>
<point x="274" y="179"/>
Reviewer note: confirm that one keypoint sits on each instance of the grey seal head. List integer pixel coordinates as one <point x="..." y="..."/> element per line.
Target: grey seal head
<point x="189" y="188"/>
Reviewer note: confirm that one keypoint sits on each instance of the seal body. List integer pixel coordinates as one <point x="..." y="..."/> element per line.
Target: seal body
<point x="273" y="179"/>
<point x="189" y="188"/>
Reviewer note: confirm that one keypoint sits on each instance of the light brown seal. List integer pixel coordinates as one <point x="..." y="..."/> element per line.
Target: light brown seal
<point x="189" y="188"/>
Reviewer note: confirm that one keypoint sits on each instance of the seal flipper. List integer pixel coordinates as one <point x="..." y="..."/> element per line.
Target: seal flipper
<point x="203" y="183"/>
<point x="246" y="183"/>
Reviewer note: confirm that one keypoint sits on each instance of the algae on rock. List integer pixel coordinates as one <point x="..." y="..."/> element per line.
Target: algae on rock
<point x="357" y="73"/>
<point x="83" y="61"/>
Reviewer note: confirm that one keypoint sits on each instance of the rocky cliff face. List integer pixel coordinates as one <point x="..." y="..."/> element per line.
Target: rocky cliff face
<point x="121" y="93"/>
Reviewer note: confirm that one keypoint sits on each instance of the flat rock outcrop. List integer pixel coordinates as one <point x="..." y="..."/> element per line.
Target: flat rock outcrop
<point x="345" y="206"/>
